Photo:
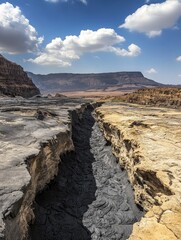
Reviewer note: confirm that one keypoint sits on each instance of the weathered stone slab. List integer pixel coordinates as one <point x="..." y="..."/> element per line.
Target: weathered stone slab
<point x="33" y="134"/>
<point x="147" y="141"/>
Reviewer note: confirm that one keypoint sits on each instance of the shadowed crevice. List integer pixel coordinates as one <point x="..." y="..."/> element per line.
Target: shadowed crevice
<point x="60" y="207"/>
<point x="91" y="197"/>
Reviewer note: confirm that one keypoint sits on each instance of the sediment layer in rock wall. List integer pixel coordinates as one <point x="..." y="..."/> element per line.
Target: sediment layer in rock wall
<point x="147" y="142"/>
<point x="14" y="81"/>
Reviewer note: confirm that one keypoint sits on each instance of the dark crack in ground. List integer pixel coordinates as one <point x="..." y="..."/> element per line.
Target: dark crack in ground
<point x="91" y="197"/>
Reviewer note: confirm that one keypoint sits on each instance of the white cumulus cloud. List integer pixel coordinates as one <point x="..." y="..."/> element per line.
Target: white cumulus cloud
<point x="17" y="35"/>
<point x="62" y="52"/>
<point x="179" y="75"/>
<point x="151" y="71"/>
<point x="178" y="58"/>
<point x="133" y="51"/>
<point x="152" y="19"/>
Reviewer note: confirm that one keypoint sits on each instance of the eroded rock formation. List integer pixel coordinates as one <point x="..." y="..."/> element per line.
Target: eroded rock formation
<point x="14" y="81"/>
<point x="33" y="134"/>
<point x="91" y="197"/>
<point x="147" y="141"/>
<point x="164" y="97"/>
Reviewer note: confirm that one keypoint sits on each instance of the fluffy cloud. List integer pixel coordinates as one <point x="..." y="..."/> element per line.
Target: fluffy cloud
<point x="133" y="51"/>
<point x="152" y="19"/>
<point x="151" y="71"/>
<point x="178" y="58"/>
<point x="16" y="33"/>
<point x="179" y="75"/>
<point x="63" y="52"/>
<point x="55" y="1"/>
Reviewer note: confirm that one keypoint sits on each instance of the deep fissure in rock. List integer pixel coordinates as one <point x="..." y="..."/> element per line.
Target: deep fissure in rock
<point x="91" y="197"/>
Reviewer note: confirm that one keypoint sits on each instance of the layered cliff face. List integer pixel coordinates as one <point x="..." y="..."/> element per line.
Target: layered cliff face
<point x="100" y="81"/>
<point x="14" y="81"/>
<point x="147" y="141"/>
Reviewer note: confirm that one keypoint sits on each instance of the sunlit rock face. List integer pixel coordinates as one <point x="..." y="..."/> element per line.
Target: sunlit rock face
<point x="161" y="97"/>
<point x="14" y="81"/>
<point x="147" y="141"/>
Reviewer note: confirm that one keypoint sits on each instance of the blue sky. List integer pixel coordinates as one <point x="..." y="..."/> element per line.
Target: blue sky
<point x="85" y="36"/>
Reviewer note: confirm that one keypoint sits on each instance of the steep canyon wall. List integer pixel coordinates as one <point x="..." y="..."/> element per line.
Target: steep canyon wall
<point x="33" y="135"/>
<point x="14" y="81"/>
<point x="147" y="142"/>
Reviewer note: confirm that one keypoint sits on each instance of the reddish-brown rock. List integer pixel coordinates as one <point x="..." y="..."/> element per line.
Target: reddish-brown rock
<point x="14" y="81"/>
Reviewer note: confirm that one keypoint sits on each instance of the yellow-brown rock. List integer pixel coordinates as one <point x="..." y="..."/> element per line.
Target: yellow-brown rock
<point x="159" y="96"/>
<point x="147" y="141"/>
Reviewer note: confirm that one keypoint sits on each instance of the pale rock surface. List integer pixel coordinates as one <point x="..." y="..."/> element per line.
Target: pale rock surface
<point x="147" y="141"/>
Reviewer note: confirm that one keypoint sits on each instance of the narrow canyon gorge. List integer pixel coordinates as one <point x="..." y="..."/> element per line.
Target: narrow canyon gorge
<point x="91" y="197"/>
<point x="71" y="169"/>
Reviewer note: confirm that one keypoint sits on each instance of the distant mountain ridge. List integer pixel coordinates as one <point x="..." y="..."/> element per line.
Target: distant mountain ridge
<point x="114" y="81"/>
<point x="14" y="81"/>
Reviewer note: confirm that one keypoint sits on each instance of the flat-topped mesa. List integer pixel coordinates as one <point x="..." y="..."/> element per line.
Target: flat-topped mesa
<point x="14" y="81"/>
<point x="83" y="82"/>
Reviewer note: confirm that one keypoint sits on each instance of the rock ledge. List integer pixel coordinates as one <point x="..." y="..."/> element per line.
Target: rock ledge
<point x="33" y="135"/>
<point x="147" y="141"/>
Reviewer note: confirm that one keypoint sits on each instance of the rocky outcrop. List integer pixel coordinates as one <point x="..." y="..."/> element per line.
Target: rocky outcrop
<point x="33" y="135"/>
<point x="14" y="81"/>
<point x="164" y="97"/>
<point x="147" y="141"/>
<point x="115" y="81"/>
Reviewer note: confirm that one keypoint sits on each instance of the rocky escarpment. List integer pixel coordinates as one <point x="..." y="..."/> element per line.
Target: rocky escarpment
<point x="14" y="81"/>
<point x="33" y="135"/>
<point x="164" y="97"/>
<point x="115" y="81"/>
<point x="147" y="142"/>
